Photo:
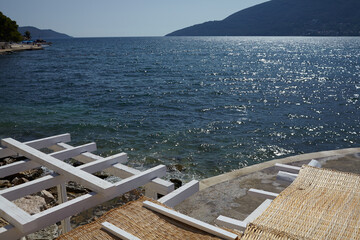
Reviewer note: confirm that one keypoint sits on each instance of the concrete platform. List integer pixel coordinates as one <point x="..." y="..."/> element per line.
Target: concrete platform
<point x="226" y="194"/>
<point x="20" y="47"/>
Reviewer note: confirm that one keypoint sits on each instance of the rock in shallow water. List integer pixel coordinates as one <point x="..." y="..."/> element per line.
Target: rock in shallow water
<point x="176" y="182"/>
<point x="176" y="167"/>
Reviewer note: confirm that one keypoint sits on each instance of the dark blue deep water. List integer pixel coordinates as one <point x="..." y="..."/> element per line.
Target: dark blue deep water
<point x="211" y="104"/>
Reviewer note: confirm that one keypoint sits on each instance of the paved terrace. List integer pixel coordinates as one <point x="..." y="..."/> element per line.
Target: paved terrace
<point x="226" y="194"/>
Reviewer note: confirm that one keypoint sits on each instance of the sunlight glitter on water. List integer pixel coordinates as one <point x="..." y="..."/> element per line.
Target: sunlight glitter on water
<point x="211" y="104"/>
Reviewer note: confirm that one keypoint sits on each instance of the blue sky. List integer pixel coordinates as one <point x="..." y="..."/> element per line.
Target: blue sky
<point x="117" y="18"/>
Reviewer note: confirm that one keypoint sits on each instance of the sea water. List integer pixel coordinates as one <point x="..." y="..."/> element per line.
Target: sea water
<point x="207" y="104"/>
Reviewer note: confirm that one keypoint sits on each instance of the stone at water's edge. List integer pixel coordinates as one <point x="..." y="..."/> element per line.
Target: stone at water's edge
<point x="31" y="204"/>
<point x="4" y="184"/>
<point x="49" y="198"/>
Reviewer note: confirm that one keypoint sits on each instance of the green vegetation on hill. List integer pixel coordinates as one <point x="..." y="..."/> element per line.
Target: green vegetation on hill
<point x="42" y="34"/>
<point x="286" y="18"/>
<point x="8" y="30"/>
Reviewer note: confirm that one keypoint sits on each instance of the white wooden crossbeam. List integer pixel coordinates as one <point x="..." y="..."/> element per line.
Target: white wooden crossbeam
<point x="288" y="173"/>
<point x="286" y="177"/>
<point x="74" y="151"/>
<point x="140" y="179"/>
<point x="70" y="172"/>
<point x="17" y="167"/>
<point x="232" y="223"/>
<point x="157" y="185"/>
<point x="104" y="163"/>
<point x="262" y="193"/>
<point x="314" y="163"/>
<point x="295" y="169"/>
<point x="24" y="165"/>
<point x="54" y="179"/>
<point x="34" y="186"/>
<point x="48" y="141"/>
<point x="287" y="168"/>
<point x="118" y="232"/>
<point x="190" y="221"/>
<point x="14" y="215"/>
<point x="38" y="144"/>
<point x="177" y="196"/>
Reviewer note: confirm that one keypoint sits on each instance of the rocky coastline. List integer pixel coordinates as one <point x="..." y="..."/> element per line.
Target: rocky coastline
<point x="7" y="48"/>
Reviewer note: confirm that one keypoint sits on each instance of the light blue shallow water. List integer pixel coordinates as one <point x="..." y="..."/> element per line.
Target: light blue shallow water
<point x="211" y="104"/>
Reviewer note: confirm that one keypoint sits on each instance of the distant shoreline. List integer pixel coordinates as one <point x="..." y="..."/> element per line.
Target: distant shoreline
<point x="15" y="47"/>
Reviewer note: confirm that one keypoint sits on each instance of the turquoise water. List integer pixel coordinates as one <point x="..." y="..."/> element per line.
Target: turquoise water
<point x="211" y="104"/>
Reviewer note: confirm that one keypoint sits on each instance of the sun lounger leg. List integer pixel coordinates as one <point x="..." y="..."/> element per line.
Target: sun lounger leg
<point x="62" y="197"/>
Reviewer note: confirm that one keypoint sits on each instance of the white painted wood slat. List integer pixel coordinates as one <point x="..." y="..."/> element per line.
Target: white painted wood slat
<point x="104" y="163"/>
<point x="74" y="151"/>
<point x="258" y="211"/>
<point x="287" y="168"/>
<point x="177" y="196"/>
<point x="190" y="221"/>
<point x="118" y="232"/>
<point x="262" y="193"/>
<point x="13" y="214"/>
<point x="49" y="141"/>
<point x="38" y="144"/>
<point x="17" y="167"/>
<point x="231" y="223"/>
<point x="140" y="179"/>
<point x="286" y="177"/>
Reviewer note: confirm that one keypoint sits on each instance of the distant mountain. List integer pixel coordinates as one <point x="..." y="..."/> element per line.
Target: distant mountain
<point x="42" y="34"/>
<point x="285" y="18"/>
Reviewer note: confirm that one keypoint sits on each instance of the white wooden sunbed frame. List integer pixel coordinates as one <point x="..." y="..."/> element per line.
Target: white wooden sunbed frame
<point x="22" y="223"/>
<point x="174" y="215"/>
<point x="286" y="174"/>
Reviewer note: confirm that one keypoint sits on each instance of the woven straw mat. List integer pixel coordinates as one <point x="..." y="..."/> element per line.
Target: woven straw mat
<point x="319" y="204"/>
<point x="140" y="222"/>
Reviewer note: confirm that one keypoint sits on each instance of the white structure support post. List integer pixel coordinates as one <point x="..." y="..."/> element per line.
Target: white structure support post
<point x="62" y="197"/>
